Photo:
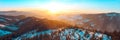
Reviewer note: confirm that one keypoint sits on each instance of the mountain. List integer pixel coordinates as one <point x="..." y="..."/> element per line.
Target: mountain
<point x="101" y="22"/>
<point x="87" y="27"/>
<point x="31" y="23"/>
<point x="25" y="13"/>
<point x="14" y="13"/>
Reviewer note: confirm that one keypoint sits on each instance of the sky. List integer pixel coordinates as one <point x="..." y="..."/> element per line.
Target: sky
<point x="57" y="5"/>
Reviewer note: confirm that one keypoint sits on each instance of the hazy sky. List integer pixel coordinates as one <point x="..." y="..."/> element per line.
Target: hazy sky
<point x="82" y="5"/>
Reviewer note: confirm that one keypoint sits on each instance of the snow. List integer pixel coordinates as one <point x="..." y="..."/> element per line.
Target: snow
<point x="105" y="37"/>
<point x="11" y="27"/>
<point x="3" y="32"/>
<point x="88" y="36"/>
<point x="1" y="25"/>
<point x="111" y="15"/>
<point x="3" y="20"/>
<point x="33" y="33"/>
<point x="98" y="35"/>
<point x="27" y="35"/>
<point x="73" y="34"/>
<point x="62" y="37"/>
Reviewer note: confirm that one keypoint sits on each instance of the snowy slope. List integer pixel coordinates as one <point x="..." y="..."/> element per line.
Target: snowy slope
<point x="88" y="27"/>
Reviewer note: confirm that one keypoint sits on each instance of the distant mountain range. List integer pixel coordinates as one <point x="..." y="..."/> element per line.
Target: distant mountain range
<point x="101" y="22"/>
<point x="26" y="13"/>
<point x="14" y="13"/>
<point x="103" y="26"/>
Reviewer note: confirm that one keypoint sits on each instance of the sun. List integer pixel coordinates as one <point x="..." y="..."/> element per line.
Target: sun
<point x="54" y="7"/>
